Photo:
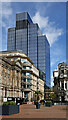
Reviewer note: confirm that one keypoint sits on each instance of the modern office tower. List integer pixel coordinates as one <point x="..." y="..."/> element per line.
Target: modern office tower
<point x="26" y="36"/>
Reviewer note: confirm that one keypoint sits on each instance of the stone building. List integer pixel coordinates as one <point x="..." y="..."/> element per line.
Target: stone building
<point x="10" y="79"/>
<point x="61" y="82"/>
<point x="29" y="74"/>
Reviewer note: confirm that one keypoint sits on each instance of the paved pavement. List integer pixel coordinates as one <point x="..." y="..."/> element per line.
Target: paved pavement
<point x="30" y="111"/>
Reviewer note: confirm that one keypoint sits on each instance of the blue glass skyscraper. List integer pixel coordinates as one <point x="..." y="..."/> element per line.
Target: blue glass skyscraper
<point x="26" y="36"/>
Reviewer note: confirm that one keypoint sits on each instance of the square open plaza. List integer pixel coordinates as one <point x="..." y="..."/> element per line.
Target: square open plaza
<point x="25" y="84"/>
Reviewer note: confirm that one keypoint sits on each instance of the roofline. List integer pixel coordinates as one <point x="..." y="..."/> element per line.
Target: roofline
<point x="10" y="63"/>
<point x="20" y="51"/>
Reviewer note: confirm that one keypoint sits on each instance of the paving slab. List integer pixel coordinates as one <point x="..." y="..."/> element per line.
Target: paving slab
<point x="30" y="111"/>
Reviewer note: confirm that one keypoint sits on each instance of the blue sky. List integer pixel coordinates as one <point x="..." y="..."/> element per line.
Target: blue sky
<point x="51" y="17"/>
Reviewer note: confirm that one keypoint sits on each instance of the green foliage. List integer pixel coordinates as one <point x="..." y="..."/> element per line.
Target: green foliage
<point x="38" y="94"/>
<point x="53" y="96"/>
<point x="5" y="103"/>
<point x="48" y="101"/>
<point x="9" y="103"/>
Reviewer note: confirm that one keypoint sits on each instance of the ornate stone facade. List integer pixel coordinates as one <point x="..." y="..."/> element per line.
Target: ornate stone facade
<point x="61" y="82"/>
<point x="25" y="75"/>
<point x="10" y="79"/>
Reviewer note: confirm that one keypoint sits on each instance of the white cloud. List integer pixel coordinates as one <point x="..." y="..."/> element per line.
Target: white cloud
<point x="6" y="10"/>
<point x="57" y="55"/>
<point x="5" y="13"/>
<point x="48" y="28"/>
<point x="5" y="21"/>
<point x="52" y="81"/>
<point x="55" y="61"/>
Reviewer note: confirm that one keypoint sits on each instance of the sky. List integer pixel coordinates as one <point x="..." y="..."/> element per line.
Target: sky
<point x="51" y="18"/>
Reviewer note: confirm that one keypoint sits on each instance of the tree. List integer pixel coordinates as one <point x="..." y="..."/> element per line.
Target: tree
<point x="38" y="94"/>
<point x="53" y="96"/>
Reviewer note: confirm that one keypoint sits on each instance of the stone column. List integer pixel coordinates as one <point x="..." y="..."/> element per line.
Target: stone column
<point x="10" y="77"/>
<point x="1" y="96"/>
<point x="18" y="77"/>
<point x="14" y="78"/>
<point x="13" y="82"/>
<point x="67" y="85"/>
<point x="64" y="85"/>
<point x="3" y="76"/>
<point x="60" y="85"/>
<point x="7" y="81"/>
<point x="23" y="95"/>
<point x="59" y="98"/>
